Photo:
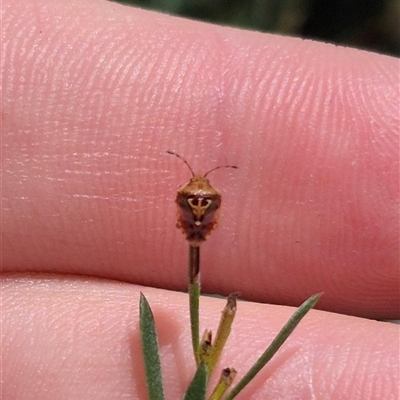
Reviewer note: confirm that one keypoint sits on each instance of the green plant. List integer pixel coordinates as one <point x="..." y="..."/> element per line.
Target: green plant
<point x="198" y="206"/>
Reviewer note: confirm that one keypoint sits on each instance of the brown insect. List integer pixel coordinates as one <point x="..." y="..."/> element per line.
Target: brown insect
<point x="198" y="206"/>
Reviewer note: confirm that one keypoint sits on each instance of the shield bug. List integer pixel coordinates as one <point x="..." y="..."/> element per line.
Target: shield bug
<point x="198" y="206"/>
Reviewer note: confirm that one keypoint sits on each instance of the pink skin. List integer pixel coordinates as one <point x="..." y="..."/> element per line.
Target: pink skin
<point x="93" y="94"/>
<point x="78" y="338"/>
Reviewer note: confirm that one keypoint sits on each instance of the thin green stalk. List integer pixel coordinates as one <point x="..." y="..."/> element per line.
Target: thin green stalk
<point x="194" y="295"/>
<point x="225" y="381"/>
<point x="275" y="345"/>
<point x="224" y="329"/>
<point x="205" y="347"/>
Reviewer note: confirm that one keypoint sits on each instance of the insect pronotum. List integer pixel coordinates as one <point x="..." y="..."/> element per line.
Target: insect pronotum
<point x="198" y="206"/>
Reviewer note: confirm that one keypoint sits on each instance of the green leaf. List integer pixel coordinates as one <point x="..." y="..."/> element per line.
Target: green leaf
<point x="198" y="386"/>
<point x="150" y="351"/>
<point x="275" y="345"/>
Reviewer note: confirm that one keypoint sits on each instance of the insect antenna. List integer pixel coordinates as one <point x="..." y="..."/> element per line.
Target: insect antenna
<point x="177" y="155"/>
<point x="221" y="166"/>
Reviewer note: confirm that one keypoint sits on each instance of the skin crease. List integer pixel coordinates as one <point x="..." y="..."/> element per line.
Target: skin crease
<point x="93" y="94"/>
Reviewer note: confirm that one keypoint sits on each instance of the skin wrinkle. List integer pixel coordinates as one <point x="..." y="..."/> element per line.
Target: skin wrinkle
<point x="375" y="109"/>
<point x="186" y="78"/>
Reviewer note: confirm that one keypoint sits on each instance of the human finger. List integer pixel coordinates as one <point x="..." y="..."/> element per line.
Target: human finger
<point x="93" y="95"/>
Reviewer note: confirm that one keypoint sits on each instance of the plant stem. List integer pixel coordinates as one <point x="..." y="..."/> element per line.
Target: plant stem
<point x="194" y="295"/>
<point x="224" y="329"/>
<point x="225" y="380"/>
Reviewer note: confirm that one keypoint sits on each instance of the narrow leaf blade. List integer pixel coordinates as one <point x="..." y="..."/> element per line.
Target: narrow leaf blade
<point x="151" y="356"/>
<point x="198" y="386"/>
<point x="280" y="338"/>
